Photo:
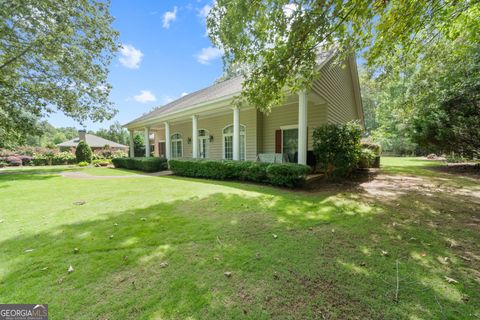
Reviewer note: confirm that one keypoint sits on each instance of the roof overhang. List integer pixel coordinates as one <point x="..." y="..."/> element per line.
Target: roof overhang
<point x="200" y="108"/>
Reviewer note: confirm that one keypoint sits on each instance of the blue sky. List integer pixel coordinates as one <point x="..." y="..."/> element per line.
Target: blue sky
<point x="166" y="54"/>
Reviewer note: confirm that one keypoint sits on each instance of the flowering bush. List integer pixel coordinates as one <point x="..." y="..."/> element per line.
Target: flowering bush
<point x="14" y="161"/>
<point x="108" y="153"/>
<point x="36" y="156"/>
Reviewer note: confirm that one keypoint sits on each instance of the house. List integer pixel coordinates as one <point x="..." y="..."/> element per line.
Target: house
<point x="93" y="141"/>
<point x="204" y="124"/>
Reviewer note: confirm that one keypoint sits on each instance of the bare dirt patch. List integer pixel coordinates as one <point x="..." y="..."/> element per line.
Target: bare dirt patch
<point x="391" y="187"/>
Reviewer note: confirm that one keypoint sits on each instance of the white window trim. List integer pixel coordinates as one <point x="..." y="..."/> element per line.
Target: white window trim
<point x="228" y="135"/>
<point x="176" y="140"/>
<point x="289" y="127"/>
<point x="207" y="152"/>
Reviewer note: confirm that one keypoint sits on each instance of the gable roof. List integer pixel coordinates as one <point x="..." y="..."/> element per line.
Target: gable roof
<point x="224" y="89"/>
<point x="93" y="141"/>
<point x="219" y="90"/>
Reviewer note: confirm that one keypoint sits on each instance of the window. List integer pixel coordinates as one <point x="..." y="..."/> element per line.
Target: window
<point x="290" y="144"/>
<point x="228" y="142"/>
<point x="177" y="145"/>
<point x="203" y="142"/>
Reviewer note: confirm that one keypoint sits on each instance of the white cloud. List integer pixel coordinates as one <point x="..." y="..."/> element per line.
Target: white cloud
<point x="130" y="56"/>
<point x="169" y="17"/>
<point x="208" y="54"/>
<point x="145" y="96"/>
<point x="203" y="12"/>
<point x="184" y="94"/>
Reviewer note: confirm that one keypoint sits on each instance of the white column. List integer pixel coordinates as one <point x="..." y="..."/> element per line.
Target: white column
<point x="147" y="142"/>
<point x="132" y="145"/>
<point x="168" y="144"/>
<point x="236" y="133"/>
<point x="194" y="137"/>
<point x="302" y="127"/>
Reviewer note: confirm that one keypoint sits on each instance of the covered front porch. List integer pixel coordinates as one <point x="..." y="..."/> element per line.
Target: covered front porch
<point x="231" y="133"/>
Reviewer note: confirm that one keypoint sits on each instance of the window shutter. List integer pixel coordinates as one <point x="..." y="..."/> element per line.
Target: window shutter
<point x="278" y="141"/>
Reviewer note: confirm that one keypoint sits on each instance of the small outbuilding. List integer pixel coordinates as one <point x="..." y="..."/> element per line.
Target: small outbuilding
<point x="93" y="141"/>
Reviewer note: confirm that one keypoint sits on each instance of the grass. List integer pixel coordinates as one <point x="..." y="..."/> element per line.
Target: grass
<point x="334" y="255"/>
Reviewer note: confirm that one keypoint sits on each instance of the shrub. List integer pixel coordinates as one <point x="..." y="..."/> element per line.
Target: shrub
<point x="25" y="159"/>
<point x="3" y="164"/>
<point x="64" y="158"/>
<point x="288" y="174"/>
<point x="367" y="158"/>
<point x="14" y="161"/>
<point x="119" y="154"/>
<point x="109" y="153"/>
<point x="83" y="164"/>
<point x="375" y="147"/>
<point x="39" y="160"/>
<point x="101" y="162"/>
<point x="337" y="148"/>
<point x="6" y="153"/>
<point x="453" y="158"/>
<point x="83" y="152"/>
<point x="149" y="164"/>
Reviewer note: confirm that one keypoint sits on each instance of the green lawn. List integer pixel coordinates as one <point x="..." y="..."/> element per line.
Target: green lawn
<point x="326" y="254"/>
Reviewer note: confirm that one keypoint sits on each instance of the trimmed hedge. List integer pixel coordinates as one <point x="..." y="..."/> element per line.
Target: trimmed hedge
<point x="149" y="164"/>
<point x="83" y="152"/>
<point x="279" y="174"/>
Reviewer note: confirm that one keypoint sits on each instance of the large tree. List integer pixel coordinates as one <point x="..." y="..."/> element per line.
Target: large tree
<point x="54" y="56"/>
<point x="279" y="39"/>
<point x="432" y="105"/>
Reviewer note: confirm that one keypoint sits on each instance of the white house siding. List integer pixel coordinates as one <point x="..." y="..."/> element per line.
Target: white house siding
<point x="288" y="115"/>
<point x="335" y="85"/>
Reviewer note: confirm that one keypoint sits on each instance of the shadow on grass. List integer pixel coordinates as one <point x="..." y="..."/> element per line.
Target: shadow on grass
<point x="9" y="177"/>
<point x="324" y="261"/>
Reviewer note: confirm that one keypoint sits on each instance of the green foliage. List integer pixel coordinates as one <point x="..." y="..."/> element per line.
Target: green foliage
<point x="83" y="164"/>
<point x="337" y="148"/>
<point x="109" y="153"/>
<point x="114" y="133"/>
<point x="374" y="147"/>
<point x="289" y="175"/>
<point x="366" y="158"/>
<point x="39" y="156"/>
<point x="280" y="39"/>
<point x="429" y="106"/>
<point x="65" y="157"/>
<point x="450" y="120"/>
<point x="150" y="164"/>
<point x="456" y="158"/>
<point x="101" y="162"/>
<point x="204" y="228"/>
<point x="138" y="145"/>
<point x="54" y="56"/>
<point x="83" y="152"/>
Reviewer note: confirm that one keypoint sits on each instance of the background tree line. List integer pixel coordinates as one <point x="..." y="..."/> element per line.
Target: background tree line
<point x="50" y="136"/>
<point x="432" y="105"/>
